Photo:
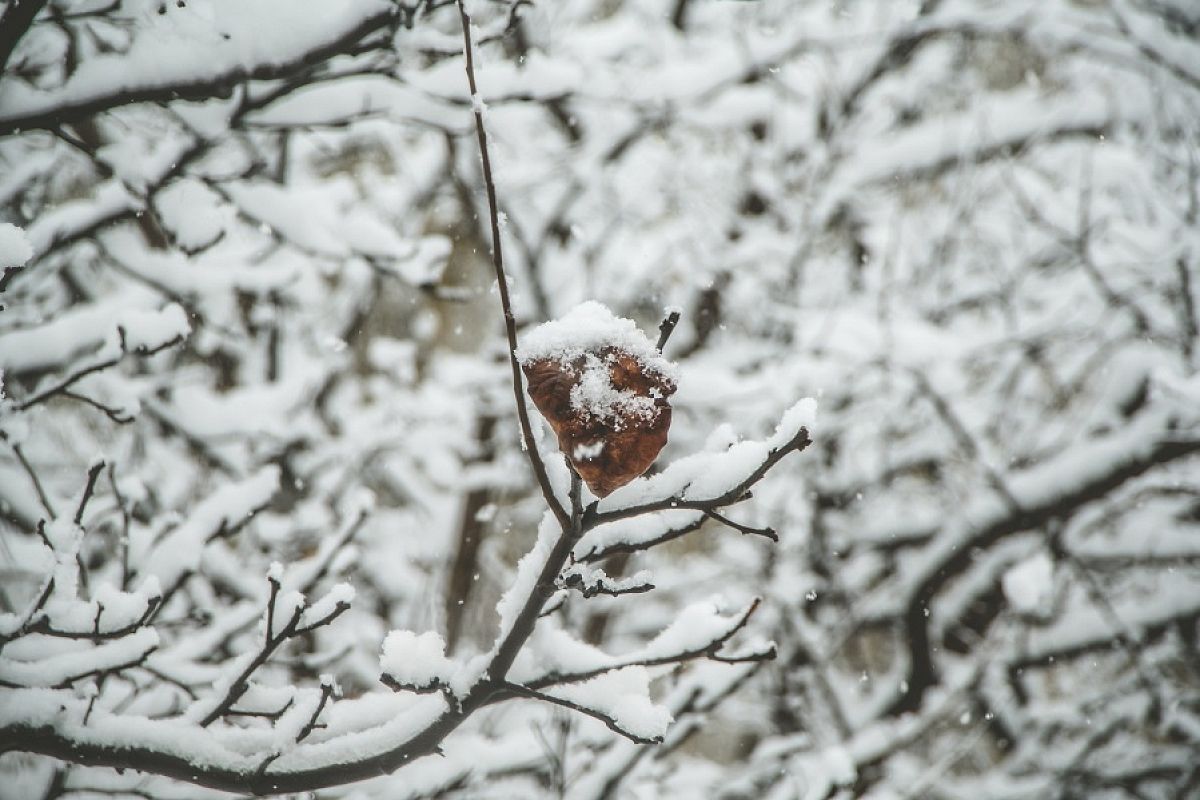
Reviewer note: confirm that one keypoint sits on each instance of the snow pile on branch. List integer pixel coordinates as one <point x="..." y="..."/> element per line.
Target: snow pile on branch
<point x="178" y="553"/>
<point x="1028" y="586"/>
<point x="416" y="661"/>
<point x="621" y="699"/>
<point x="15" y="248"/>
<point x="589" y="328"/>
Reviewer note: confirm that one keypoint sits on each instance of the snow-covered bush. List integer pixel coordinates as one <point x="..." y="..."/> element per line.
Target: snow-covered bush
<point x="259" y="430"/>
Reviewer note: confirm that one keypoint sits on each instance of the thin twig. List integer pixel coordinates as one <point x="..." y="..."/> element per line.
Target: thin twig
<point x="273" y="716"/>
<point x="800" y="441"/>
<point x="66" y="383"/>
<point x="737" y="526"/>
<point x="326" y="693"/>
<point x="666" y="328"/>
<point x="710" y="649"/>
<point x="610" y="722"/>
<point x="115" y="414"/>
<point x="43" y="498"/>
<point x="88" y="489"/>
<point x="510" y="322"/>
<point x="240" y="684"/>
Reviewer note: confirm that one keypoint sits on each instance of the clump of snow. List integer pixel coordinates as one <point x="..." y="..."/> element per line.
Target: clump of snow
<point x="62" y="668"/>
<point x="596" y="396"/>
<point x="180" y="550"/>
<point x="150" y="330"/>
<point x="589" y="328"/>
<point x="341" y="594"/>
<point x="426" y="261"/>
<point x="15" y="248"/>
<point x="1028" y="585"/>
<point x="193" y="212"/>
<point x="623" y="696"/>
<point x="694" y="628"/>
<point x="802" y="415"/>
<point x="592" y="580"/>
<point x="417" y="660"/>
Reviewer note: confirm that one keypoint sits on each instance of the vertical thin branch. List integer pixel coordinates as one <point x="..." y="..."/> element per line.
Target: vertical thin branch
<point x="576" y="500"/>
<point x="510" y="323"/>
<point x="271" y="606"/>
<point x="123" y="541"/>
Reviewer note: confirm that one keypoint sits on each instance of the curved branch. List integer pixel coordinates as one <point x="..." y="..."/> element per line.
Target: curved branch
<point x="1138" y="457"/>
<point x="152" y="750"/>
<point x="518" y="690"/>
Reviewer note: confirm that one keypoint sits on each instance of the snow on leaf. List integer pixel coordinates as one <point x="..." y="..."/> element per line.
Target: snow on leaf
<point x="589" y="328"/>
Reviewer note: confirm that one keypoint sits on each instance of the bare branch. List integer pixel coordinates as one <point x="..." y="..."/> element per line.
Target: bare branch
<point x="510" y="322"/>
<point x="66" y="383"/>
<point x="612" y="724"/>
<point x="43" y="498"/>
<point x="768" y="533"/>
<point x="666" y="328"/>
<point x="311" y="725"/>
<point x="93" y="473"/>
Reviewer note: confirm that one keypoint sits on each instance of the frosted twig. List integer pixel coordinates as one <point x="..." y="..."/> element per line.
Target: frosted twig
<point x="611" y="723"/>
<point x="666" y="328"/>
<point x="710" y="649"/>
<point x="66" y="383"/>
<point x="737" y="526"/>
<point x="311" y="725"/>
<point x="797" y="443"/>
<point x="88" y="489"/>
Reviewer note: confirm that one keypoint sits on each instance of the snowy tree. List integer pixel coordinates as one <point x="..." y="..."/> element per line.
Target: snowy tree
<point x="273" y="520"/>
<point x="184" y="615"/>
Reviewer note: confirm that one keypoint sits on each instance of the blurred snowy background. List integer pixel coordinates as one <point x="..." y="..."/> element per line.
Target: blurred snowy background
<point x="251" y="276"/>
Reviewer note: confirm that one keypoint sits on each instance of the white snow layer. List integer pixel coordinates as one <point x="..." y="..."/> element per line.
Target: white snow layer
<point x="589" y="328"/>
<point x="417" y="660"/>
<point x="1028" y="586"/>
<point x="15" y="248"/>
<point x="94" y="325"/>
